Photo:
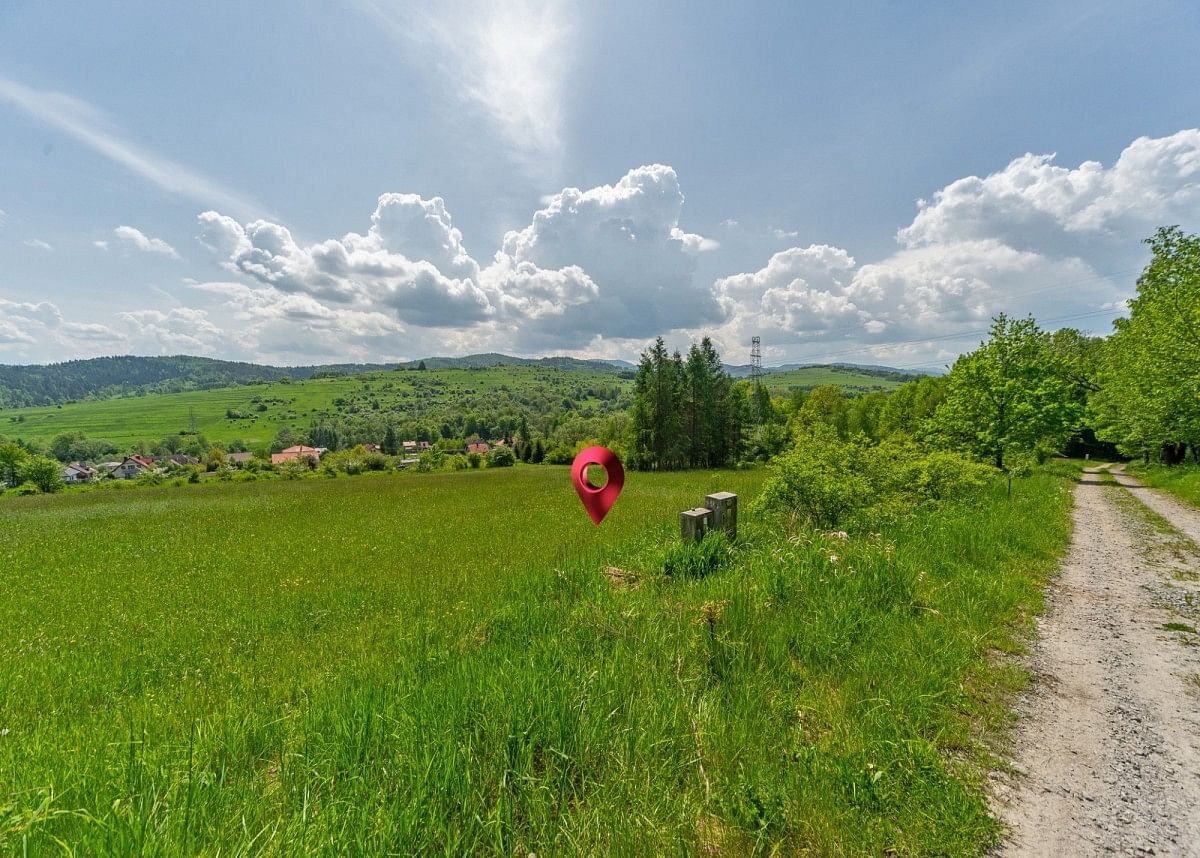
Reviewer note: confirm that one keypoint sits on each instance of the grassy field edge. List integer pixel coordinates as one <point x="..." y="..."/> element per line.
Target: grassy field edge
<point x="797" y="692"/>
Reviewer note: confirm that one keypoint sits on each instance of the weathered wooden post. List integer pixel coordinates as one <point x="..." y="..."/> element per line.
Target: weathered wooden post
<point x="694" y="523"/>
<point x="724" y="510"/>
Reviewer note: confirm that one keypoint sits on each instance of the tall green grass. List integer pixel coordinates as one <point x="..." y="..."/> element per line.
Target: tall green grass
<point x="1183" y="481"/>
<point x="462" y="664"/>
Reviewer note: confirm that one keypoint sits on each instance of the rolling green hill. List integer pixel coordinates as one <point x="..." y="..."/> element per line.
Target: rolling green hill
<point x="129" y="375"/>
<point x="849" y="378"/>
<point x="253" y="413"/>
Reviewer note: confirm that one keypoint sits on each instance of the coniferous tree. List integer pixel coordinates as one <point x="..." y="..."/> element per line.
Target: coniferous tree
<point x="391" y="445"/>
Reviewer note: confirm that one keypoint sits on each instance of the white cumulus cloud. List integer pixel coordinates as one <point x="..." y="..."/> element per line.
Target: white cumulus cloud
<point x="608" y="261"/>
<point x="1063" y="243"/>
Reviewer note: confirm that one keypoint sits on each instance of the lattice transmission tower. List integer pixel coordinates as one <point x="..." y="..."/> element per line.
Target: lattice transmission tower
<point x="756" y="376"/>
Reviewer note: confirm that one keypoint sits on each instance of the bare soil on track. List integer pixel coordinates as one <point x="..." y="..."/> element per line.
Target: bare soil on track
<point x="1107" y="755"/>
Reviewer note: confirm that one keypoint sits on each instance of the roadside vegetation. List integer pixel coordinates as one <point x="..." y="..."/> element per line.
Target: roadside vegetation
<point x="1183" y="481"/>
<point x="463" y="663"/>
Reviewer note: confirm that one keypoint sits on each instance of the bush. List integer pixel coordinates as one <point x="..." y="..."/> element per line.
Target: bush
<point x="821" y="480"/>
<point x="474" y="459"/>
<point x="430" y="460"/>
<point x="43" y="472"/>
<point x="25" y="489"/>
<point x="825" y="482"/>
<point x="152" y="477"/>
<point x="501" y="457"/>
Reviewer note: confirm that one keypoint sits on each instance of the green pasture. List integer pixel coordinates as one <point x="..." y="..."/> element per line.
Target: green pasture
<point x="463" y="664"/>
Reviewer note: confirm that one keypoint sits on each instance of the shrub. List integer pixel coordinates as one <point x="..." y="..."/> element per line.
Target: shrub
<point x="825" y="482"/>
<point x="430" y="460"/>
<point x="152" y="477"/>
<point x="295" y="468"/>
<point x="501" y="457"/>
<point x="474" y="459"/>
<point x="821" y="479"/>
<point x="25" y="489"/>
<point x="43" y="472"/>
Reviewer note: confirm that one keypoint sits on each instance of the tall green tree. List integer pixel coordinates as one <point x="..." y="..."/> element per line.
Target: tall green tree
<point x="12" y="457"/>
<point x="43" y="472"/>
<point x="656" y="430"/>
<point x="391" y="445"/>
<point x="1012" y="395"/>
<point x="1150" y="371"/>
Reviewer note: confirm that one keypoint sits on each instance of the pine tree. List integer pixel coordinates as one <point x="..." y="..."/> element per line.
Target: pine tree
<point x="390" y="445"/>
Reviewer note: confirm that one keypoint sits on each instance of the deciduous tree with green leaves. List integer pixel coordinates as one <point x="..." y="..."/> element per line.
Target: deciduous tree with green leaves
<point x="43" y="472"/>
<point x="12" y="457"/>
<point x="1150" y="372"/>
<point x="1012" y="395"/>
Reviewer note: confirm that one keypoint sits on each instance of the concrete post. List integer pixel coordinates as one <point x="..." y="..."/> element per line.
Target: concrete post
<point x="724" y="509"/>
<point x="694" y="523"/>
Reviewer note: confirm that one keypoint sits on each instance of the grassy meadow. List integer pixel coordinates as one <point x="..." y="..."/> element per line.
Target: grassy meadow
<point x="463" y="663"/>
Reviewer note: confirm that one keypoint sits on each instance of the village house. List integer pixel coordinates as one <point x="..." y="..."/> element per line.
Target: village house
<point x="372" y="448"/>
<point x="297" y="452"/>
<point x="77" y="472"/>
<point x="175" y="459"/>
<point x="132" y="467"/>
<point x="480" y="447"/>
<point x="414" y="446"/>
<point x="238" y="459"/>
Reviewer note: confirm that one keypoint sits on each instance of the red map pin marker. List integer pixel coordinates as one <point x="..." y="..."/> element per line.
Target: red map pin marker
<point x="598" y="500"/>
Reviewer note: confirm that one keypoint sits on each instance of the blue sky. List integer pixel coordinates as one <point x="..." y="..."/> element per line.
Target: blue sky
<point x="373" y="181"/>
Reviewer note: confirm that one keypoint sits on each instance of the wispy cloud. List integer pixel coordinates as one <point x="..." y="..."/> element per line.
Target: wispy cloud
<point x="38" y="244"/>
<point x="509" y="57"/>
<point x="135" y="238"/>
<point x="91" y="127"/>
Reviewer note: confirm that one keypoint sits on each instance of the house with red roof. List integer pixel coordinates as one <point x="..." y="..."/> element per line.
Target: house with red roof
<point x="132" y="467"/>
<point x="480" y="447"/>
<point x="297" y="452"/>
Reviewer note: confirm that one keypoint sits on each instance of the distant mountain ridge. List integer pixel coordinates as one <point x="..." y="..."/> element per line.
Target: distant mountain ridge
<point x="130" y="375"/>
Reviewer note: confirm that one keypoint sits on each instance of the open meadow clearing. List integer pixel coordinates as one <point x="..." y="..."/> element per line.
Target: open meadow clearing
<point x="459" y="663"/>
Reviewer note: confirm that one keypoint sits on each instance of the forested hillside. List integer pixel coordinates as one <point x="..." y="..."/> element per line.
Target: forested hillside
<point x="127" y="375"/>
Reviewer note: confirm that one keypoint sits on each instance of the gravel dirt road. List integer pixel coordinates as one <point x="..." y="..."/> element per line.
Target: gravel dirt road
<point x="1107" y="755"/>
